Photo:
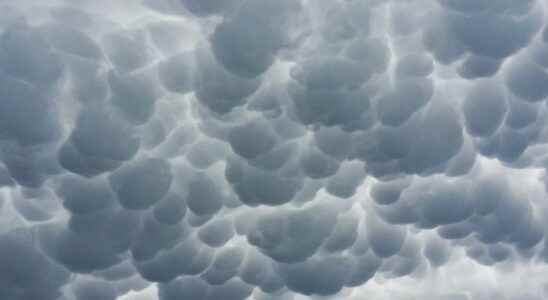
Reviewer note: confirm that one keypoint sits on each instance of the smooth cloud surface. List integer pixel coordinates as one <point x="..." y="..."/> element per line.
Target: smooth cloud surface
<point x="288" y="149"/>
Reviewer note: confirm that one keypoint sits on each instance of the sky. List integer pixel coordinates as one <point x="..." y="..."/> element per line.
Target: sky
<point x="273" y="149"/>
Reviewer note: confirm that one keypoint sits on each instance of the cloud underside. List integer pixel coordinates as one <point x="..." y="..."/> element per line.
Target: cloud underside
<point x="263" y="150"/>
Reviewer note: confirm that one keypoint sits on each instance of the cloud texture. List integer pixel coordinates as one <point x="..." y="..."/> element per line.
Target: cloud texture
<point x="273" y="150"/>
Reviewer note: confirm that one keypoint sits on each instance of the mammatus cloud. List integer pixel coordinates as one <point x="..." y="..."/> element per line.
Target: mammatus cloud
<point x="273" y="150"/>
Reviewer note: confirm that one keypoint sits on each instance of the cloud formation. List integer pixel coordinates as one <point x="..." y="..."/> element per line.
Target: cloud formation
<point x="273" y="150"/>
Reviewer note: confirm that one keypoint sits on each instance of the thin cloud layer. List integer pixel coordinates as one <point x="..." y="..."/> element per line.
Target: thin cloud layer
<point x="273" y="150"/>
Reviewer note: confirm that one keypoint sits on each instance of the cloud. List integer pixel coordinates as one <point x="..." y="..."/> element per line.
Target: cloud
<point x="290" y="150"/>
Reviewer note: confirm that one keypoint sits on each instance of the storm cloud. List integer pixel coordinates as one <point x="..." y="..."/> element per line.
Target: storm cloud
<point x="273" y="149"/>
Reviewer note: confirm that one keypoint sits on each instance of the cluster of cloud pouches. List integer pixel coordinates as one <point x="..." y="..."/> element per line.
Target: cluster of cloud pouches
<point x="273" y="149"/>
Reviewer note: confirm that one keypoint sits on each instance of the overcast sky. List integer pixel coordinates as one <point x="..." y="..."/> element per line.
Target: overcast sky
<point x="273" y="149"/>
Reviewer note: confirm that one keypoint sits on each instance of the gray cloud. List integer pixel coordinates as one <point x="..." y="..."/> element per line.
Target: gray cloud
<point x="289" y="150"/>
